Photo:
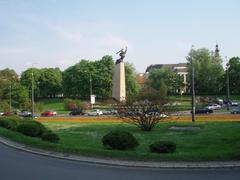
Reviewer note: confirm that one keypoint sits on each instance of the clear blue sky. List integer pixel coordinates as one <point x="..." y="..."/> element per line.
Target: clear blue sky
<point x="58" y="33"/>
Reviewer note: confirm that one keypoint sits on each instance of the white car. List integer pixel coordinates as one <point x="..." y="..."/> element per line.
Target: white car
<point x="1" y="113"/>
<point x="95" y="112"/>
<point x="214" y="106"/>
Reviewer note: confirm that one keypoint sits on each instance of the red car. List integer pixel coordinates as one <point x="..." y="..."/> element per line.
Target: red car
<point x="49" y="113"/>
<point x="8" y="113"/>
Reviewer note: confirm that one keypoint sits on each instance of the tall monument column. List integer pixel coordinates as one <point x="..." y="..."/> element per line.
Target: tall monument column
<point x="119" y="83"/>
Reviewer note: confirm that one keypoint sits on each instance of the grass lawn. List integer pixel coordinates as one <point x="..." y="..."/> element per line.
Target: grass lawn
<point x="53" y="104"/>
<point x="215" y="141"/>
<point x="184" y="103"/>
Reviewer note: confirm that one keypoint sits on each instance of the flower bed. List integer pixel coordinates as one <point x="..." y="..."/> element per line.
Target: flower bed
<point x="105" y="119"/>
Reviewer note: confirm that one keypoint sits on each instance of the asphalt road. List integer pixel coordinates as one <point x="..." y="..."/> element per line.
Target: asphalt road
<point x="19" y="165"/>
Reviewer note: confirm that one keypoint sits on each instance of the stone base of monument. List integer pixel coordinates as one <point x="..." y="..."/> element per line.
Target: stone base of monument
<point x="119" y="84"/>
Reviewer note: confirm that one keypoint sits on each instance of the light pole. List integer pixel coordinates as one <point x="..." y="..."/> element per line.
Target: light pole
<point x="193" y="90"/>
<point x="90" y="81"/>
<point x="10" y="98"/>
<point x="227" y="83"/>
<point x="32" y="95"/>
<point x="90" y="86"/>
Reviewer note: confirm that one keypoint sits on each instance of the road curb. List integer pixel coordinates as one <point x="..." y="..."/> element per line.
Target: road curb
<point x="122" y="163"/>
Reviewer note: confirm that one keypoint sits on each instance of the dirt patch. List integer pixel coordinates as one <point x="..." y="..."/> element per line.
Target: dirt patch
<point x="185" y="128"/>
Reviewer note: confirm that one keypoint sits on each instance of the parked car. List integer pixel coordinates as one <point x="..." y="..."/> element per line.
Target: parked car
<point x="214" y="106"/>
<point x="234" y="103"/>
<point x="95" y="112"/>
<point x="1" y="113"/>
<point x="218" y="101"/>
<point x="231" y="102"/>
<point x="235" y="111"/>
<point x="25" y="114"/>
<point x="109" y="112"/>
<point x="49" y="113"/>
<point x="77" y="112"/>
<point x="8" y="113"/>
<point x="204" y="111"/>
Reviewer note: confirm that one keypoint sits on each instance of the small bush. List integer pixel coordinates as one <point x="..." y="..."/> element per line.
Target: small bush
<point x="120" y="140"/>
<point x="163" y="147"/>
<point x="70" y="104"/>
<point x="50" y="136"/>
<point x="10" y="122"/>
<point x="6" y="124"/>
<point x="31" y="128"/>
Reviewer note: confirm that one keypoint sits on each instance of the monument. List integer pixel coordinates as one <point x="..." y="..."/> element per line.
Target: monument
<point x="119" y="84"/>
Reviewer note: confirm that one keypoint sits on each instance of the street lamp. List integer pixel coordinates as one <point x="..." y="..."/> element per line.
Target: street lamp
<point x="10" y="98"/>
<point x="32" y="95"/>
<point x="193" y="90"/>
<point x="227" y="83"/>
<point x="32" y="79"/>
<point x="90" y="86"/>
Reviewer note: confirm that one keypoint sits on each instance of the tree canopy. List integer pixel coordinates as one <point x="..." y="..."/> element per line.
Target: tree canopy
<point x="11" y="87"/>
<point x="234" y="75"/>
<point x="132" y="87"/>
<point x="47" y="82"/>
<point x="77" y="78"/>
<point x="208" y="71"/>
<point x="167" y="78"/>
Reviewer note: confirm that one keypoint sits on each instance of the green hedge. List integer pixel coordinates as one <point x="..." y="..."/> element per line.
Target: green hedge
<point x="28" y="127"/>
<point x="120" y="140"/>
<point x="163" y="147"/>
<point x="50" y="136"/>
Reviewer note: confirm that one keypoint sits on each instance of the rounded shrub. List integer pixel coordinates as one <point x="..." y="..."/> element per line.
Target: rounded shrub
<point x="163" y="147"/>
<point x="50" y="136"/>
<point x="7" y="124"/>
<point x="41" y="127"/>
<point x="10" y="122"/>
<point x="120" y="140"/>
<point x="30" y="129"/>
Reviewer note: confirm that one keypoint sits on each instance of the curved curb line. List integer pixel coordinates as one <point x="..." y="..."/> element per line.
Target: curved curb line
<point x="111" y="162"/>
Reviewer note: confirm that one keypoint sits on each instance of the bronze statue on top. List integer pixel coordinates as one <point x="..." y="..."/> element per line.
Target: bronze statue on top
<point x="122" y="54"/>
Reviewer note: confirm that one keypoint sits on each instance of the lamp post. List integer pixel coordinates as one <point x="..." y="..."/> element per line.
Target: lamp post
<point x="90" y="81"/>
<point x="227" y="83"/>
<point x="10" y="98"/>
<point x="32" y="95"/>
<point x="90" y="88"/>
<point x="193" y="90"/>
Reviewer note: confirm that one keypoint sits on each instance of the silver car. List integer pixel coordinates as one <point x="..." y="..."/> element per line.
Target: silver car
<point x="95" y="112"/>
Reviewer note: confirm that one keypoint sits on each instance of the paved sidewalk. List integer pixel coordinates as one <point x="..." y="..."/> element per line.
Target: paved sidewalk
<point x="124" y="163"/>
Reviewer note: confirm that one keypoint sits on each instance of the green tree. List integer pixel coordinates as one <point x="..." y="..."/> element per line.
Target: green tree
<point x="50" y="82"/>
<point x="19" y="96"/>
<point x="162" y="89"/>
<point x="47" y="82"/>
<point x="10" y="87"/>
<point x="103" y="77"/>
<point x="234" y="75"/>
<point x="26" y="80"/>
<point x="171" y="79"/>
<point x="77" y="78"/>
<point x="208" y="71"/>
<point x="132" y="87"/>
<point x="7" y="77"/>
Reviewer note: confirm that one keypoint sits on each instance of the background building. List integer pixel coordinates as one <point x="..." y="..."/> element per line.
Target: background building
<point x="180" y="69"/>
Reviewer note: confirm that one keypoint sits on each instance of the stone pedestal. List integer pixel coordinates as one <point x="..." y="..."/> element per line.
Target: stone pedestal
<point x="119" y="84"/>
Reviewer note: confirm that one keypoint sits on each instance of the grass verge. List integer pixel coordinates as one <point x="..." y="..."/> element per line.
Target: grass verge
<point x="215" y="141"/>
